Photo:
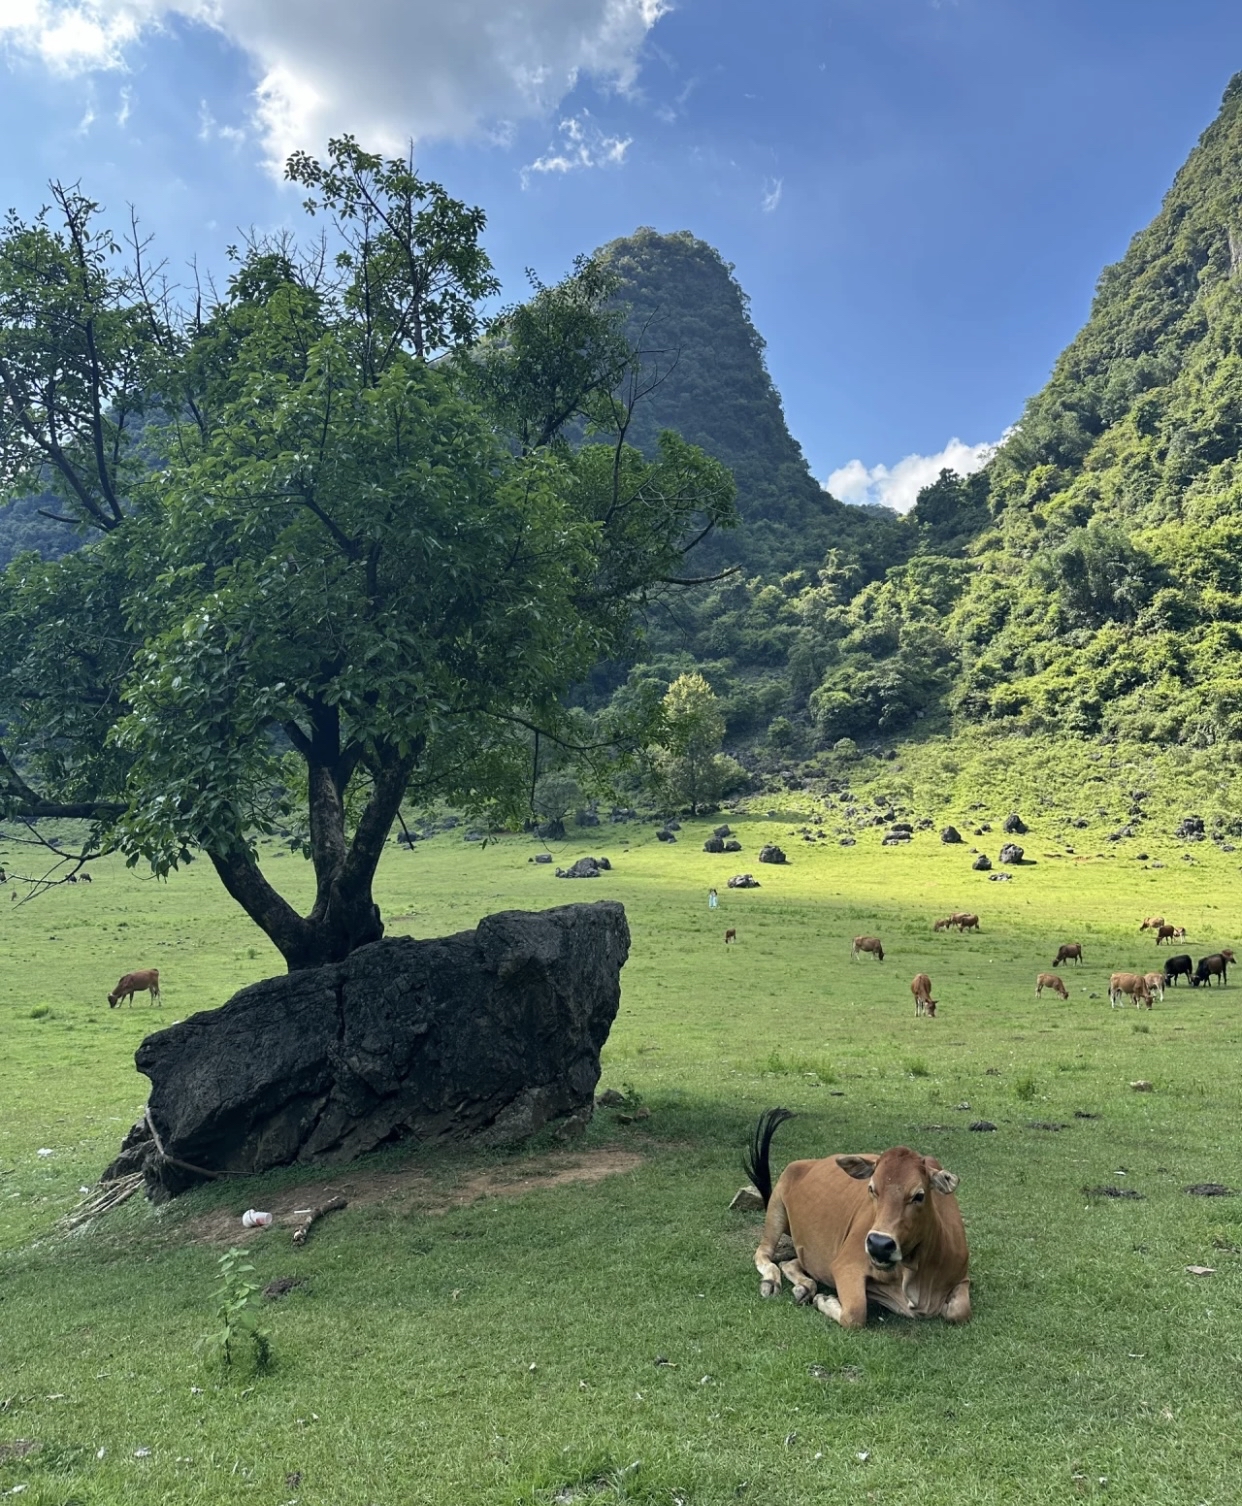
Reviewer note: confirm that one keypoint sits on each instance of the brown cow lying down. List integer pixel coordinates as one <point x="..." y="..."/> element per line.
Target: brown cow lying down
<point x="879" y="1228"/>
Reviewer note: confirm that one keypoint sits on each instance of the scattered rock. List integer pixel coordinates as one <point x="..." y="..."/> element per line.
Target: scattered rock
<point x="665" y="836"/>
<point x="1014" y="825"/>
<point x="949" y="835"/>
<point x="733" y="845"/>
<point x="585" y="868"/>
<point x="1011" y="853"/>
<point x="1201" y="1270"/>
<point x="999" y="878"/>
<point x="982" y="1125"/>
<point x="721" y="831"/>
<point x="1080" y="823"/>
<point x="639" y="1113"/>
<point x="770" y="853"/>
<point x="672" y="826"/>
<point x="1126" y="1193"/>
<point x="1083" y="1114"/>
<point x="847" y="842"/>
<point x="611" y="1099"/>
<point x="1190" y="829"/>
<point x="586" y="818"/>
<point x="433" y="1039"/>
<point x="541" y="857"/>
<point x="982" y="864"/>
<point x="1142" y="1086"/>
<point x="747" y="1200"/>
<point x="743" y="881"/>
<point x="714" y="844"/>
<point x="1210" y="1189"/>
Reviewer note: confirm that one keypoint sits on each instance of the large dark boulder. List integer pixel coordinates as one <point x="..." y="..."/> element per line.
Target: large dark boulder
<point x="1011" y="853"/>
<point x="770" y="853"/>
<point x="585" y="868"/>
<point x="982" y="863"/>
<point x="714" y="844"/>
<point x="743" y="881"/>
<point x="1014" y="826"/>
<point x="487" y="1035"/>
<point x="950" y="834"/>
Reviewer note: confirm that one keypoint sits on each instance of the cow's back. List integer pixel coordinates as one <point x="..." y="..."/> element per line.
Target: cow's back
<point x="824" y="1206"/>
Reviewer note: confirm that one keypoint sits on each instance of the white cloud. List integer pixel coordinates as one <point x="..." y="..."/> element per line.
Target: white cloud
<point x="899" y="487"/>
<point x="581" y="144"/>
<point x="125" y="107"/>
<point x="386" y="70"/>
<point x="772" y="191"/>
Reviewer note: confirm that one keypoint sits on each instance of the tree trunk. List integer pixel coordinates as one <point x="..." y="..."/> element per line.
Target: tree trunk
<point x="344" y="916"/>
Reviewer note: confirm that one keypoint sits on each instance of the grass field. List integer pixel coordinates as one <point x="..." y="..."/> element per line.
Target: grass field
<point x="503" y="1350"/>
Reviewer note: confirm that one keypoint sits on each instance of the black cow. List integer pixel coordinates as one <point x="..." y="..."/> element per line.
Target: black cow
<point x="1179" y="967"/>
<point x="1215" y="966"/>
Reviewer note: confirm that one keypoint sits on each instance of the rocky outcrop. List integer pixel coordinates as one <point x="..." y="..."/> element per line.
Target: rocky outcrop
<point x="487" y="1035"/>
<point x="743" y="881"/>
<point x="585" y="868"/>
<point x="771" y="853"/>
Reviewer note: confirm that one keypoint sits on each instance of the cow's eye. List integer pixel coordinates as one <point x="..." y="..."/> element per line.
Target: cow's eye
<point x="918" y="1196"/>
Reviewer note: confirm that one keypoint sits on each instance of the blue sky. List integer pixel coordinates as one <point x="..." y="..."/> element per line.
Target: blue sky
<point x="918" y="195"/>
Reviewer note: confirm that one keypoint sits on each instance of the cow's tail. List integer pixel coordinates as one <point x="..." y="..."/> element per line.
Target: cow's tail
<point x="757" y="1163"/>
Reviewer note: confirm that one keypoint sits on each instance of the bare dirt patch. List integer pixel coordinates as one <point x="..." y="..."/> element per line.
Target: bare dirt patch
<point x="411" y="1189"/>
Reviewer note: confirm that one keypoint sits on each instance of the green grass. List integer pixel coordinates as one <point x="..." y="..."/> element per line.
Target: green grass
<point x="504" y="1352"/>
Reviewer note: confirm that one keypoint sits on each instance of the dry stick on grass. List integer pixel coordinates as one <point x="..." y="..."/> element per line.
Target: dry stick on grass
<point x="334" y="1205"/>
<point x="103" y="1200"/>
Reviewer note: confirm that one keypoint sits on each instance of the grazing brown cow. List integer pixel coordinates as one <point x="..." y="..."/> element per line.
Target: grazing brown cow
<point x="965" y="921"/>
<point x="1128" y="986"/>
<point x="1155" y="985"/>
<point x="730" y="935"/>
<point x="1070" y="952"/>
<point x="86" y="878"/>
<point x="1165" y="933"/>
<point x="135" y="983"/>
<point x="1152" y="923"/>
<point x="1215" y="966"/>
<point x="866" y="944"/>
<point x="943" y="925"/>
<point x="1049" y="980"/>
<point x="880" y="1228"/>
<point x="923" y="1001"/>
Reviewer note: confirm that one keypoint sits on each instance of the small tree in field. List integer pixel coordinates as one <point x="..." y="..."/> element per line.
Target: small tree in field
<point x="347" y="555"/>
<point x="689" y="769"/>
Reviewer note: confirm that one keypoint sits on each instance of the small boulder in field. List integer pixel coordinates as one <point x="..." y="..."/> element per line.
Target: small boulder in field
<point x="847" y="842"/>
<point x="743" y="881"/>
<point x="672" y="826"/>
<point x="1013" y="825"/>
<point x="950" y="835"/>
<point x="982" y="863"/>
<point x="747" y="1200"/>
<point x="721" y="831"/>
<point x="770" y="853"/>
<point x="542" y="857"/>
<point x="1190" y="829"/>
<point x="1011" y="853"/>
<point x="714" y="844"/>
<point x="665" y="836"/>
<point x="733" y="845"/>
<point x="584" y="868"/>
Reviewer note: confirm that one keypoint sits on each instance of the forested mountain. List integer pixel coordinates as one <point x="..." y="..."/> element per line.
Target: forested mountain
<point x="1090" y="580"/>
<point x="691" y="320"/>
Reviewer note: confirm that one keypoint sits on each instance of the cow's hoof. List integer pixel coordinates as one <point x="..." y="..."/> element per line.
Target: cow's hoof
<point x="768" y="1288"/>
<point x="804" y="1295"/>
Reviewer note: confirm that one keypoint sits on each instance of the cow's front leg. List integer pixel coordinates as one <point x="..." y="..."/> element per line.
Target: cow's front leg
<point x="957" y="1305"/>
<point x="804" y="1285"/>
<point x="849" y="1306"/>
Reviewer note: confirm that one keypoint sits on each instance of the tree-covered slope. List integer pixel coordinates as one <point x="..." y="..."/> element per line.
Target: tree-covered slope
<point x="691" y="319"/>
<point x="1109" y="597"/>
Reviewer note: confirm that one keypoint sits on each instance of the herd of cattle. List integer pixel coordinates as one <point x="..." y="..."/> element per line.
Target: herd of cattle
<point x="1141" y="987"/>
<point x="899" y="1240"/>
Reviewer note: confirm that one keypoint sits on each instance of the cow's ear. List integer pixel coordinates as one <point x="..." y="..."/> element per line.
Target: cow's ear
<point x="945" y="1181"/>
<point x="858" y="1167"/>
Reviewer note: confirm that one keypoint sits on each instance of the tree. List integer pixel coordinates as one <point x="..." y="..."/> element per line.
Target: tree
<point x="689" y="768"/>
<point x="337" y="579"/>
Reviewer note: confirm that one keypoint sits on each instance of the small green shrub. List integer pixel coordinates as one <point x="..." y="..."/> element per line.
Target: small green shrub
<point x="41" y="1012"/>
<point x="1025" y="1088"/>
<point x="797" y="1066"/>
<point x="918" y="1068"/>
<point x="237" y="1335"/>
<point x="1141" y="1029"/>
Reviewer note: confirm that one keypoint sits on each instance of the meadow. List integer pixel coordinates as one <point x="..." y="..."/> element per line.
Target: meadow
<point x="494" y="1331"/>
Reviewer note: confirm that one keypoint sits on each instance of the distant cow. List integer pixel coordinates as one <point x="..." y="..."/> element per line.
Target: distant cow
<point x="1215" y="966"/>
<point x="135" y="983"/>
<point x="880" y="1228"/>
<point x="1070" y="952"/>
<point x="923" y="1001"/>
<point x="730" y="935"/>
<point x="1152" y="923"/>
<point x="85" y="878"/>
<point x="1050" y="980"/>
<point x="1167" y="933"/>
<point x="866" y="944"/>
<point x="966" y="921"/>
<point x="943" y="925"/>
<point x="1155" y="984"/>
<point x="1128" y="986"/>
<point x="1179" y="967"/>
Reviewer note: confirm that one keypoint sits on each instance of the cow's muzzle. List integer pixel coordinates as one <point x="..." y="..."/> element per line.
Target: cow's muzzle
<point x="883" y="1249"/>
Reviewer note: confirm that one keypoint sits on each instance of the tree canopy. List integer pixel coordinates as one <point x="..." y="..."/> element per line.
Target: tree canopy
<point x="349" y="557"/>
